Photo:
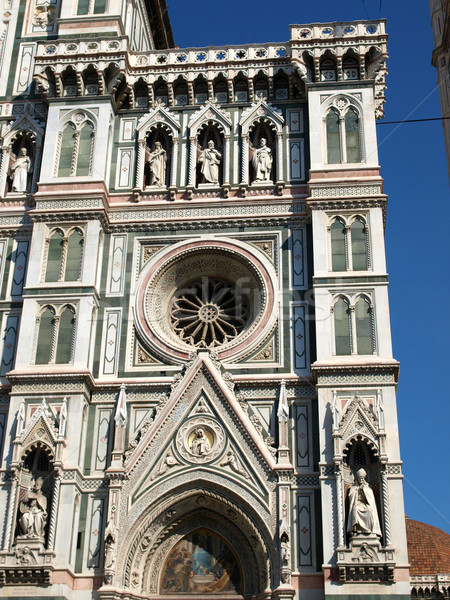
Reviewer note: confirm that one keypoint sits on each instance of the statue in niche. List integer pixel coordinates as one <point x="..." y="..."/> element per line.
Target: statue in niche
<point x="285" y="552"/>
<point x="157" y="162"/>
<point x="362" y="509"/>
<point x="19" y="171"/>
<point x="200" y="444"/>
<point x="210" y="161"/>
<point x="262" y="161"/>
<point x="33" y="511"/>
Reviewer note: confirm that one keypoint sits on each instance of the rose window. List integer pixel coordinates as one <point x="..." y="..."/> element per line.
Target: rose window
<point x="209" y="312"/>
<point x="206" y="293"/>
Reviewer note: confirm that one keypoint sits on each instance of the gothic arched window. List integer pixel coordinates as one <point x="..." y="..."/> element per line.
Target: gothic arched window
<point x="343" y="134"/>
<point x="333" y="138"/>
<point x="91" y="7"/>
<point x="352" y="136"/>
<point x="64" y="256"/>
<point x="359" y="245"/>
<point x="342" y="331"/>
<point x="65" y="336"/>
<point x="72" y="270"/>
<point x="76" y="149"/>
<point x="54" y="254"/>
<point x="55" y="335"/>
<point x="349" y="245"/>
<point x="338" y="246"/>
<point x="45" y="336"/>
<point x="364" y="326"/>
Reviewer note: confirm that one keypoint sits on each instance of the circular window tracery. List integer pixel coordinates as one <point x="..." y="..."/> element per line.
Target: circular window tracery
<point x="211" y="293"/>
<point x="210" y="312"/>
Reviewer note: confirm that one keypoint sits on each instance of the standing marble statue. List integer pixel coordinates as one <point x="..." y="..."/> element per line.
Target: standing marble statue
<point x="362" y="509"/>
<point x="210" y="161"/>
<point x="33" y="511"/>
<point x="262" y="161"/>
<point x="157" y="162"/>
<point x="20" y="171"/>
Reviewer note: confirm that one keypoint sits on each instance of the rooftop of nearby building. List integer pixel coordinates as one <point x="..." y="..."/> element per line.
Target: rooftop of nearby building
<point x="428" y="549"/>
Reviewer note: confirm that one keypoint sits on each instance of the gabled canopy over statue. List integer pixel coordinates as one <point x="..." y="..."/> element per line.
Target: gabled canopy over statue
<point x="362" y="508"/>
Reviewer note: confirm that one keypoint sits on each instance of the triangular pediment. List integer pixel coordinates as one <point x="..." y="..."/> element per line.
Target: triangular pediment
<point x="210" y="112"/>
<point x="40" y="428"/>
<point x="261" y="110"/>
<point x="201" y="431"/>
<point x="158" y="116"/>
<point x="358" y="419"/>
<point x="23" y="123"/>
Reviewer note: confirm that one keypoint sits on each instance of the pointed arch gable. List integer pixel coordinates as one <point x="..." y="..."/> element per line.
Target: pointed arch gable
<point x="158" y="116"/>
<point x="262" y="110"/>
<point x="203" y="365"/>
<point x="23" y="126"/>
<point x="210" y="113"/>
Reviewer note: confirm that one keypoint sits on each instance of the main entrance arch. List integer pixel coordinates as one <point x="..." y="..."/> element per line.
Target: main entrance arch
<point x="200" y="544"/>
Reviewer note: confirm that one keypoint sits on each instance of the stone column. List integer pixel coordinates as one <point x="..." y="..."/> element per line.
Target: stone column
<point x="342" y="139"/>
<point x="139" y="184"/>
<point x="353" y="329"/>
<point x="174" y="167"/>
<point x="244" y="159"/>
<point x="339" y="505"/>
<point x="54" y="512"/>
<point x="386" y="512"/>
<point x="192" y="161"/>
<point x="76" y="144"/>
<point x="226" y="162"/>
<point x="6" y="157"/>
<point x="9" y="518"/>
<point x="36" y="169"/>
<point x="279" y="174"/>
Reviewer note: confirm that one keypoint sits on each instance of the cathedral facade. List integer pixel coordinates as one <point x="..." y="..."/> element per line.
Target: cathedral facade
<point x="198" y="387"/>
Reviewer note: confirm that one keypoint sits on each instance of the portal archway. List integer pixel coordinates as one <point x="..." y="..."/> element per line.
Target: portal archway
<point x="164" y="558"/>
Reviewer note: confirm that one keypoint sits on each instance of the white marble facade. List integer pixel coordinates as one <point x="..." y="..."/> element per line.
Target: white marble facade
<point x="183" y="410"/>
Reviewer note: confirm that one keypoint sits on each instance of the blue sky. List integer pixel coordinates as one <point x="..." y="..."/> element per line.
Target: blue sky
<point x="413" y="164"/>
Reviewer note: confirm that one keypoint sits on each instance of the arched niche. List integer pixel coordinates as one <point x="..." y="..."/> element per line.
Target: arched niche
<point x="34" y="497"/>
<point x="262" y="165"/>
<point x="181" y="93"/>
<point x="140" y="94"/>
<point x="90" y="81"/>
<point x="158" y="155"/>
<point x="69" y="81"/>
<point x="145" y="560"/>
<point x="220" y="86"/>
<point x="157" y="127"/>
<point x="209" y="168"/>
<point x="258" y="122"/>
<point x="22" y="159"/>
<point x="360" y="455"/>
<point x="200" y="90"/>
<point x="21" y="156"/>
<point x="209" y="125"/>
